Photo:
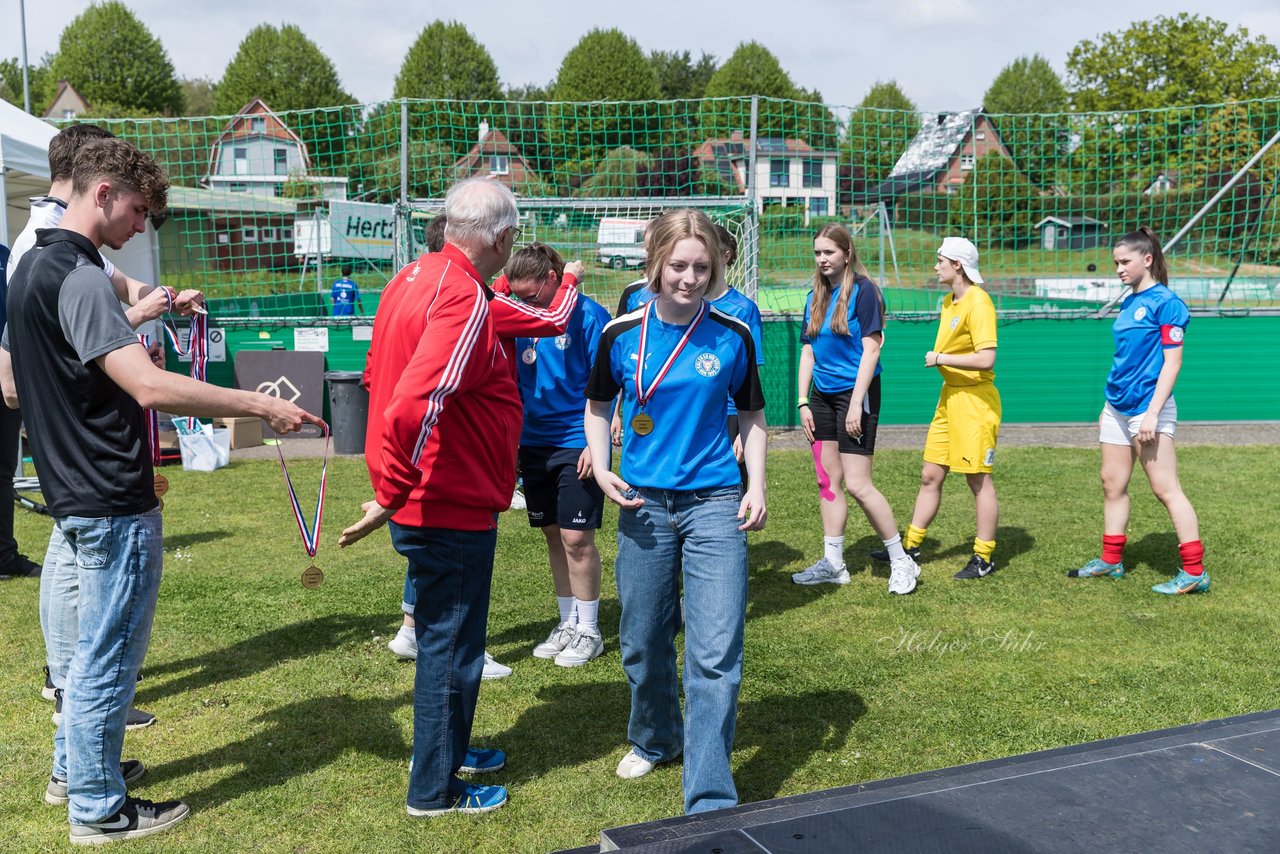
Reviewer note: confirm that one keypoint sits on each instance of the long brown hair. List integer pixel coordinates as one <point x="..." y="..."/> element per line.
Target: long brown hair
<point x="839" y="235"/>
<point x="1145" y="242"/>
<point x="672" y="227"/>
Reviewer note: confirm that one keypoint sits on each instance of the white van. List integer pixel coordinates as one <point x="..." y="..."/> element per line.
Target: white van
<point x="620" y="243"/>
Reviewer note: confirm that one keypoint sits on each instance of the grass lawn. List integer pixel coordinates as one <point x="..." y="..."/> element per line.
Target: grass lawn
<point x="286" y="723"/>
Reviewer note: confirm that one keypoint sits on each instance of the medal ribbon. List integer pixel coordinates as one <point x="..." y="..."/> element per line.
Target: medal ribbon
<point x="643" y="396"/>
<point x="153" y="420"/>
<point x="197" y="347"/>
<point x="310" y="535"/>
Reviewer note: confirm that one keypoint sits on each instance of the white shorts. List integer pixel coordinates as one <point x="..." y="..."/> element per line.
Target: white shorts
<point x="1116" y="428"/>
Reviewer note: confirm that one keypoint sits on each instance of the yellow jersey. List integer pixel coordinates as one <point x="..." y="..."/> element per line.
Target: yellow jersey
<point x="967" y="325"/>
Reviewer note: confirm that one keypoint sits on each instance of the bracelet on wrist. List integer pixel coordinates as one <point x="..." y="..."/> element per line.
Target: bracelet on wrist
<point x="802" y="404"/>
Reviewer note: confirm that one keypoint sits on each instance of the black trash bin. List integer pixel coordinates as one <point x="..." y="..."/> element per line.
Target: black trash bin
<point x="348" y="410"/>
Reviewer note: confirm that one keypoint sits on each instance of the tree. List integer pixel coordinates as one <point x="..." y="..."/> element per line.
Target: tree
<point x="1029" y="85"/>
<point x="40" y="79"/>
<point x="282" y="67"/>
<point x="1171" y="61"/>
<point x="679" y="79"/>
<point x="447" y="62"/>
<point x="112" y="59"/>
<point x="784" y="109"/>
<point x="994" y="204"/>
<point x="879" y="131"/>
<point x="198" y="95"/>
<point x="615" y="174"/>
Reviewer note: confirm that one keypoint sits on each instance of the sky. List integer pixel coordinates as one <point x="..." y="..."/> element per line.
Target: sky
<point x="943" y="53"/>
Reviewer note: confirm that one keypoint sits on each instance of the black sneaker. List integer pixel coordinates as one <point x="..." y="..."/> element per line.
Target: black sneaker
<point x="136" y="719"/>
<point x="48" y="690"/>
<point x="975" y="568"/>
<point x="20" y="566"/>
<point x="56" y="792"/>
<point x="882" y="555"/>
<point x="136" y="818"/>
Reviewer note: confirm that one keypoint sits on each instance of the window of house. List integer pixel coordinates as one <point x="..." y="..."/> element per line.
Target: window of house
<point x="242" y="160"/>
<point x="966" y="161"/>
<point x="282" y="161"/>
<point x="286" y="234"/>
<point x="779" y="173"/>
<point x="499" y="164"/>
<point x="982" y="134"/>
<point x="237" y="187"/>
<point x="223" y="238"/>
<point x="248" y="234"/>
<point x="258" y="124"/>
<point x="812" y="173"/>
<point x="266" y="235"/>
<point x="818" y="206"/>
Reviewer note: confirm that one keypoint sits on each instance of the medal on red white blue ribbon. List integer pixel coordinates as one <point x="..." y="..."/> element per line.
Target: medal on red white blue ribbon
<point x="312" y="576"/>
<point x="642" y="422"/>
<point x="197" y="346"/>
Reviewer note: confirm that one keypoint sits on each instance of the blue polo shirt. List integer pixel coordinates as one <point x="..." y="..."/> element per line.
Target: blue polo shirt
<point x="737" y="304"/>
<point x="688" y="448"/>
<point x="345" y="295"/>
<point x="836" y="357"/>
<point x="553" y="375"/>
<point x="1149" y="323"/>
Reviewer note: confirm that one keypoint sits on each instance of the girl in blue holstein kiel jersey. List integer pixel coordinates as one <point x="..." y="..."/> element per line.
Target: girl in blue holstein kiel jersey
<point x="562" y="498"/>
<point x="840" y="358"/>
<point x="676" y="360"/>
<point x="1140" y="417"/>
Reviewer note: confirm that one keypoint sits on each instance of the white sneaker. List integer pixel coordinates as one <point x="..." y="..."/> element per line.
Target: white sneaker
<point x="820" y="572"/>
<point x="584" y="647"/>
<point x="561" y="636"/>
<point x="517" y="500"/>
<point x="633" y="765"/>
<point x="494" y="669"/>
<point x="903" y="573"/>
<point x="405" y="643"/>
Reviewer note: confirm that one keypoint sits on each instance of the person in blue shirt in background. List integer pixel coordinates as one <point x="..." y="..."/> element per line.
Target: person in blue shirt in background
<point x="345" y="295"/>
<point x="561" y="495"/>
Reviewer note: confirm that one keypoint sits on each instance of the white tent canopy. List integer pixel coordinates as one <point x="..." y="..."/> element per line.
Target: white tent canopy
<point x="24" y="172"/>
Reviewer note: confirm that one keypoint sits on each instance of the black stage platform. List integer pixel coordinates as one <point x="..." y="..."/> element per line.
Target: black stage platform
<point x="1212" y="786"/>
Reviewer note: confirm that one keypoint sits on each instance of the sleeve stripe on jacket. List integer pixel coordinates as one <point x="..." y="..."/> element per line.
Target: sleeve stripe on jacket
<point x="453" y="370"/>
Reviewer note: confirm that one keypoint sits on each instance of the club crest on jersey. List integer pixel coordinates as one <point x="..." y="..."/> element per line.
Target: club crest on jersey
<point x="990" y="457"/>
<point x="1140" y="313"/>
<point x="707" y="364"/>
<point x="955" y="321"/>
<point x="1175" y="334"/>
<point x="563" y="341"/>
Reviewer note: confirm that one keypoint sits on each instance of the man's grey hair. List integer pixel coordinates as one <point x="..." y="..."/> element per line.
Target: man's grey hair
<point x="477" y="210"/>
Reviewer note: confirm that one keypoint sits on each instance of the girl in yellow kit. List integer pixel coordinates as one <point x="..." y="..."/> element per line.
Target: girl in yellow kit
<point x="966" y="423"/>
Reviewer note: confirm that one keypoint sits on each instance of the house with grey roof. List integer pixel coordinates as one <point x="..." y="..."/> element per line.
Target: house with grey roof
<point x="789" y="172"/>
<point x="943" y="154"/>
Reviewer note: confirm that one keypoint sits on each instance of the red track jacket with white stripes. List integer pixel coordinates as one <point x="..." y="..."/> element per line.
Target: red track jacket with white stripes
<point x="444" y="408"/>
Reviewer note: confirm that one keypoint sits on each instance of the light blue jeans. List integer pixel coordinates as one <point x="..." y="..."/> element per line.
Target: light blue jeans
<point x="696" y="530"/>
<point x="103" y="578"/>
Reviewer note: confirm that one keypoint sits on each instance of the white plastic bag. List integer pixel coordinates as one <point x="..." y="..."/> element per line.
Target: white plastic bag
<point x="208" y="450"/>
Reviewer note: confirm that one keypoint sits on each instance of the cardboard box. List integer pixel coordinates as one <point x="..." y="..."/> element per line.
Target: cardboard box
<point x="245" y="432"/>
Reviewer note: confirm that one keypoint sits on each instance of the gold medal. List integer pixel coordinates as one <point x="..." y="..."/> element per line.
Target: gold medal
<point x="161" y="485"/>
<point x="312" y="577"/>
<point x="642" y="424"/>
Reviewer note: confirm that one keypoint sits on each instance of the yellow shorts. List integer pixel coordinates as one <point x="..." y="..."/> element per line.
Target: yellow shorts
<point x="965" y="427"/>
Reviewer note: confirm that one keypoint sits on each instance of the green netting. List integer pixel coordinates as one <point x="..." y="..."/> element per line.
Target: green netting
<point x="267" y="208"/>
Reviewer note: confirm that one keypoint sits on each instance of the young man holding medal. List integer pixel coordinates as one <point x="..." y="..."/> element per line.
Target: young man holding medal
<point x="441" y="451"/>
<point x="84" y="379"/>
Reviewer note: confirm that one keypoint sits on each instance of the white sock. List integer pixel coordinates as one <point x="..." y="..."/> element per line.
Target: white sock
<point x="567" y="616"/>
<point x="408" y="632"/>
<point x="895" y="547"/>
<point x="588" y="614"/>
<point x="833" y="550"/>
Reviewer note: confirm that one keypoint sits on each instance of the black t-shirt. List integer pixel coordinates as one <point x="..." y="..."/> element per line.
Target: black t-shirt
<point x="88" y="437"/>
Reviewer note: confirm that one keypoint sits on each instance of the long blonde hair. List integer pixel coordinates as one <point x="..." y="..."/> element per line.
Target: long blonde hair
<point x="839" y="235"/>
<point x="672" y="227"/>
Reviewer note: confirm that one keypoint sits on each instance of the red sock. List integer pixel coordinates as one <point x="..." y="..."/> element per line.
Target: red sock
<point x="1113" y="547"/>
<point x="1192" y="557"/>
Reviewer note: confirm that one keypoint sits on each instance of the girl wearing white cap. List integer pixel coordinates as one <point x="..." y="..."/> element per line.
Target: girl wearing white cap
<point x="966" y="423"/>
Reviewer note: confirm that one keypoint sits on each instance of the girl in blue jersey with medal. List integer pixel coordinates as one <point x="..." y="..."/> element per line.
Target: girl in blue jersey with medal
<point x="840" y="359"/>
<point x="1140" y="417"/>
<point x="682" y="507"/>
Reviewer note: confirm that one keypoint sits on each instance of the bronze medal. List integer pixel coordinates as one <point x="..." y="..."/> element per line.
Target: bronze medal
<point x="642" y="424"/>
<point x="161" y="485"/>
<point x="312" y="577"/>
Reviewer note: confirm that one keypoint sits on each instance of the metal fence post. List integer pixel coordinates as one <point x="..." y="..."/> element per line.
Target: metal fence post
<point x="752" y="285"/>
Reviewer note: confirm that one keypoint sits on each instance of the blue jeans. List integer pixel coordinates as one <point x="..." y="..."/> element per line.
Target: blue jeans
<point x="696" y="530"/>
<point x="103" y="588"/>
<point x="451" y="573"/>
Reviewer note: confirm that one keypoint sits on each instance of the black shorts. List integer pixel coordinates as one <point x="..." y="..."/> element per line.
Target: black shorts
<point x="830" y="410"/>
<point x="554" y="495"/>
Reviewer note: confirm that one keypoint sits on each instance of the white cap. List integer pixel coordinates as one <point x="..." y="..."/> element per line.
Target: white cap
<point x="959" y="249"/>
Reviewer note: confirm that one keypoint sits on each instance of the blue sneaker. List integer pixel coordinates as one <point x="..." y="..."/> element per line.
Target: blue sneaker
<point x="469" y="800"/>
<point x="480" y="760"/>
<point x="1184" y="582"/>
<point x="1096" y="568"/>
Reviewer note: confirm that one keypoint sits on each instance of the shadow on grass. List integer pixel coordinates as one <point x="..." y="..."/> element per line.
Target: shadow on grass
<point x="179" y="541"/>
<point x="568" y="726"/>
<point x="772" y="591"/>
<point x="526" y="636"/>
<point x="1157" y="552"/>
<point x="788" y="730"/>
<point x="256" y="654"/>
<point x="1010" y="542"/>
<point x="297" y="739"/>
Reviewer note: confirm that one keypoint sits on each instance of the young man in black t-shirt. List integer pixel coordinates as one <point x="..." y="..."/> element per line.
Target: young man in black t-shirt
<point x="83" y="380"/>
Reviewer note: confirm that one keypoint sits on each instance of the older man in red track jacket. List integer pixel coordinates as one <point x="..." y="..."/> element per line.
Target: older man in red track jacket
<point x="441" y="451"/>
